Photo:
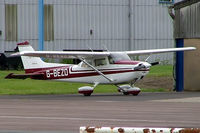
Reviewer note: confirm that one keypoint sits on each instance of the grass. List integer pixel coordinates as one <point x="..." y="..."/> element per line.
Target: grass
<point x="161" y="71"/>
<point x="33" y="87"/>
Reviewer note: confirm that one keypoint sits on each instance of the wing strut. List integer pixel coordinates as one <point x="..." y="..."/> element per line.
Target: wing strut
<point x="100" y="73"/>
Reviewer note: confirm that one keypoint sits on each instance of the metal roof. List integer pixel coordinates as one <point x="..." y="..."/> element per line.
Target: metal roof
<point x="184" y="3"/>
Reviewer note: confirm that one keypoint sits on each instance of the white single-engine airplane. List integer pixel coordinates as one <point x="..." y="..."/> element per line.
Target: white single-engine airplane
<point x="95" y="67"/>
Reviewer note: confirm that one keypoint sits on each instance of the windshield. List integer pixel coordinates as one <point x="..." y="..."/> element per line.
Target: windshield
<point x="115" y="57"/>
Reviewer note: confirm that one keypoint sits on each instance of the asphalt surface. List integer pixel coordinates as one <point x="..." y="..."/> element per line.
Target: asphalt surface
<point x="66" y="113"/>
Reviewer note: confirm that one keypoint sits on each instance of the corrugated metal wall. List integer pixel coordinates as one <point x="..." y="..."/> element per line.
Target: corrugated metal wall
<point x="108" y="20"/>
<point x="27" y="23"/>
<point x="80" y="24"/>
<point x="187" y="21"/>
<point x="152" y="28"/>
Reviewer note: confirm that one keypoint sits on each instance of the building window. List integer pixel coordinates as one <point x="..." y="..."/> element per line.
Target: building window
<point x="11" y="22"/>
<point x="48" y="23"/>
<point x="166" y="1"/>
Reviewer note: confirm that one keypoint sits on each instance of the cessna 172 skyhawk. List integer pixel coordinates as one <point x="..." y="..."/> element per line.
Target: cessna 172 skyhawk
<point x="95" y="67"/>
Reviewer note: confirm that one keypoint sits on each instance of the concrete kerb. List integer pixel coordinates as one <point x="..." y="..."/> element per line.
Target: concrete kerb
<point x="137" y="130"/>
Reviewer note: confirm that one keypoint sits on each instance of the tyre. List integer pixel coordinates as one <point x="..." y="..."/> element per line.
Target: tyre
<point x="125" y="93"/>
<point x="87" y="94"/>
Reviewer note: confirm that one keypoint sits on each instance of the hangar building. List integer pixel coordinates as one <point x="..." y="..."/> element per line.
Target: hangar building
<point x="187" y="33"/>
<point x="84" y="24"/>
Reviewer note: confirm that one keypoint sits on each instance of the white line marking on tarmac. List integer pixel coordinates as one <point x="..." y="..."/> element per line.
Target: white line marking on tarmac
<point x="95" y="119"/>
<point x="106" y="101"/>
<point x="182" y="100"/>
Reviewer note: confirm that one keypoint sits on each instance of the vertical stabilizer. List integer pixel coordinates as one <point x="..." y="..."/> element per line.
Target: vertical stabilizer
<point x="30" y="62"/>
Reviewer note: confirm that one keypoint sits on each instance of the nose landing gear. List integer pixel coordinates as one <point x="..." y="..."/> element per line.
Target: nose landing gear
<point x="127" y="89"/>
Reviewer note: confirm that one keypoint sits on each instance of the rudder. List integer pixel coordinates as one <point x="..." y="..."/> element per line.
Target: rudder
<point x="30" y="62"/>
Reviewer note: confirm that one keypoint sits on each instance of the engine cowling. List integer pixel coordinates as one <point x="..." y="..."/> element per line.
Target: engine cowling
<point x="86" y="90"/>
<point x="127" y="89"/>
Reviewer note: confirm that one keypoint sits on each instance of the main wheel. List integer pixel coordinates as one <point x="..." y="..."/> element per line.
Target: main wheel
<point x="87" y="94"/>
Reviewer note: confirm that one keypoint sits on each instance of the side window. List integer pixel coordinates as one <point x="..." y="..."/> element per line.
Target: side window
<point x="100" y="62"/>
<point x="11" y="22"/>
<point x="85" y="65"/>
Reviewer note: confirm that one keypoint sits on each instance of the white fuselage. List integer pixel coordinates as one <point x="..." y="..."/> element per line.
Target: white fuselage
<point x="118" y="74"/>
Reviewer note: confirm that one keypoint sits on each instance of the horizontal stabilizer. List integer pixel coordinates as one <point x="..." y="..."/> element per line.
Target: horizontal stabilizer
<point x="24" y="76"/>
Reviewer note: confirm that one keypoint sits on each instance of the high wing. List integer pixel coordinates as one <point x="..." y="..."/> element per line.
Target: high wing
<point x="63" y="54"/>
<point x="80" y="54"/>
<point x="156" y="51"/>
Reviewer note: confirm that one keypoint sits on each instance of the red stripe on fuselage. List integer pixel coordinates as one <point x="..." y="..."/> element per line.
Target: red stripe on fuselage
<point x="60" y="73"/>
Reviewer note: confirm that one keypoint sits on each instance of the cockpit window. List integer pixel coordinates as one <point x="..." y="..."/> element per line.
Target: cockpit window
<point x="115" y="57"/>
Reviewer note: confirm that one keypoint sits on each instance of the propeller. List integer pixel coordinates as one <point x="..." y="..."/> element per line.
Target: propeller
<point x="154" y="63"/>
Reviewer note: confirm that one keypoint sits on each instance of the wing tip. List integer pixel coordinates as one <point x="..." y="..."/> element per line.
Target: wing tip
<point x="193" y="48"/>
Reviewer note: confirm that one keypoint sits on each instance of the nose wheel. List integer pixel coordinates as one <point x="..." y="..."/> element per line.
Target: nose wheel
<point x="134" y="93"/>
<point x="125" y="93"/>
<point x="127" y="90"/>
